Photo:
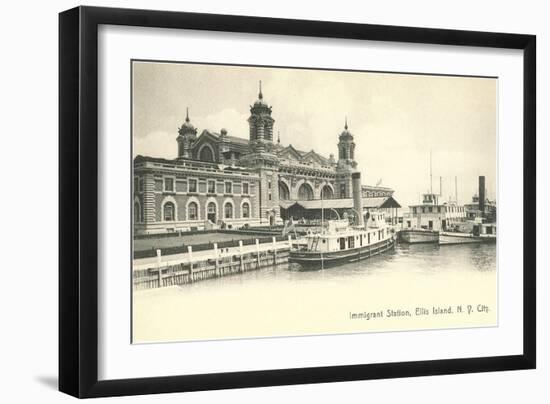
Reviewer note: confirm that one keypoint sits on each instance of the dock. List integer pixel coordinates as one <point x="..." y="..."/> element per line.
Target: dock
<point x="190" y="267"/>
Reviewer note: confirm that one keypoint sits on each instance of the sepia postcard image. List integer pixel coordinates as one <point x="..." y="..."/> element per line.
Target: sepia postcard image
<point x="281" y="202"/>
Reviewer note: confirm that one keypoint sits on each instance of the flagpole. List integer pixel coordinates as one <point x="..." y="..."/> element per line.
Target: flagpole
<point x="431" y="190"/>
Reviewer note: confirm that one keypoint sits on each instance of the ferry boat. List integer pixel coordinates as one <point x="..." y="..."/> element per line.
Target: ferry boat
<point x="479" y="233"/>
<point x="341" y="242"/>
<point x="429" y="220"/>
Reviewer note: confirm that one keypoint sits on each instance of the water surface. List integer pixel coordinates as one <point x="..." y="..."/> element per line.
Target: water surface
<point x="286" y="300"/>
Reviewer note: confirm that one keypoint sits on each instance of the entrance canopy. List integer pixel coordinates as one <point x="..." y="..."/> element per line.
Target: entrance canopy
<point x="333" y="207"/>
<point x="381" y="202"/>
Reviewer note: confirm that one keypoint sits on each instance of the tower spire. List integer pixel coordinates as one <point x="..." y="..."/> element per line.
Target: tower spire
<point x="186" y="135"/>
<point x="278" y="137"/>
<point x="260" y="95"/>
<point x="261" y="124"/>
<point x="346" y="148"/>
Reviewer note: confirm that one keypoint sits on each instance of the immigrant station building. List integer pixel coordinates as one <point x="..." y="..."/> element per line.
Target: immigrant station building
<point x="221" y="180"/>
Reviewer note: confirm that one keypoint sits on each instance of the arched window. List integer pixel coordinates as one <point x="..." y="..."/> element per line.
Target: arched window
<point x="211" y="212"/>
<point x="137" y="212"/>
<point x="206" y="154"/>
<point x="267" y="132"/>
<point x="342" y="190"/>
<point x="192" y="211"/>
<point x="228" y="210"/>
<point x="246" y="210"/>
<point x="169" y="212"/>
<point x="284" y="193"/>
<point x="305" y="192"/>
<point x="326" y="192"/>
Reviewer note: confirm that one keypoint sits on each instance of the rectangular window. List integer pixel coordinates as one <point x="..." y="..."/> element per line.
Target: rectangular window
<point x="169" y="185"/>
<point x="342" y="242"/>
<point x="228" y="187"/>
<point x="269" y="184"/>
<point x="211" y="186"/>
<point x="351" y="242"/>
<point x="202" y="187"/>
<point x="245" y="188"/>
<point x="414" y="211"/>
<point x="136" y="184"/>
<point x="342" y="190"/>
<point x="192" y="185"/>
<point x="141" y="185"/>
<point x="269" y="196"/>
<point x="430" y="209"/>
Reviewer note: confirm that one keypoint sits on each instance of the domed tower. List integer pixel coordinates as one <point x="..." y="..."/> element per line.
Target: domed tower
<point x="187" y="135"/>
<point x="346" y="149"/>
<point x="262" y="158"/>
<point x="261" y="125"/>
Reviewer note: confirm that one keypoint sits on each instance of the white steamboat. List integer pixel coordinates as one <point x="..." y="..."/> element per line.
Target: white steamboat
<point x="339" y="241"/>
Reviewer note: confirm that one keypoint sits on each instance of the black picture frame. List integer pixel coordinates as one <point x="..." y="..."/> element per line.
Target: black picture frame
<point x="78" y="200"/>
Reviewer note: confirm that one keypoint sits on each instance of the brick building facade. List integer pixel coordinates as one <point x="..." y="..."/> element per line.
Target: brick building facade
<point x="221" y="180"/>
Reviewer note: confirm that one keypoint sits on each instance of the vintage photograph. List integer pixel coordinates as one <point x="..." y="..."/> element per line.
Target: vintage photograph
<point x="280" y="201"/>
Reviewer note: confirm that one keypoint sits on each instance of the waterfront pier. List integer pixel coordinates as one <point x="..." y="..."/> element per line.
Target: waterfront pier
<point x="179" y="269"/>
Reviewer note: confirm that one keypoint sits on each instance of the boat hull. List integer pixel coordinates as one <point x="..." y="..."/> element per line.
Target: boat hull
<point x="414" y="236"/>
<point x="327" y="259"/>
<point x="463" y="238"/>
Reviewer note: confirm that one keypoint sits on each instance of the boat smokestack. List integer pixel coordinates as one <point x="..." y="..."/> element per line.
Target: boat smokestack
<point x="482" y="194"/>
<point x="456" y="190"/>
<point x="357" y="201"/>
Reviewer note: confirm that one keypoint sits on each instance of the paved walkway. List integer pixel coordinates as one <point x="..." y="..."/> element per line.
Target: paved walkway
<point x="191" y="239"/>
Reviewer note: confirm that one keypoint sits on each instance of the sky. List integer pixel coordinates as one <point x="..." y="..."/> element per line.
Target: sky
<point x="396" y="119"/>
